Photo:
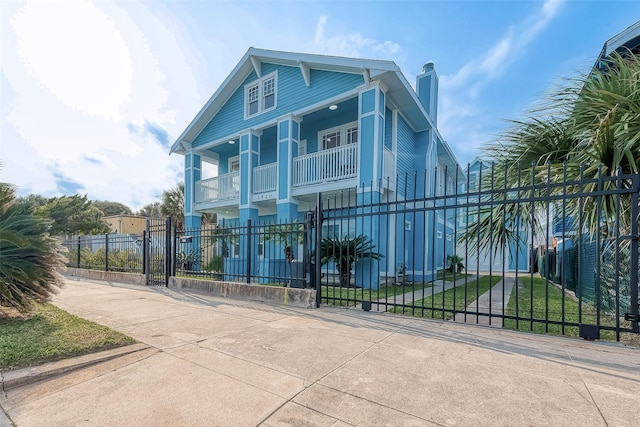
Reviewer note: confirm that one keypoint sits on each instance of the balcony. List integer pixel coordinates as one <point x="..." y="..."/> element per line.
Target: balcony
<point x="218" y="188"/>
<point x="333" y="164"/>
<point x="265" y="178"/>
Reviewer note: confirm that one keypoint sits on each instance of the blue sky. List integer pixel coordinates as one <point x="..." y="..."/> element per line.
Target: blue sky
<point x="92" y="94"/>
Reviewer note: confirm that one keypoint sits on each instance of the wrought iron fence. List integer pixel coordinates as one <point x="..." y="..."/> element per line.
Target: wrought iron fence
<point x="551" y="253"/>
<point x="268" y="253"/>
<point x="108" y="252"/>
<point x="540" y="249"/>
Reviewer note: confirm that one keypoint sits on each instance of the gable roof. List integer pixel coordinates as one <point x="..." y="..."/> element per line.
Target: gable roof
<point x="387" y="71"/>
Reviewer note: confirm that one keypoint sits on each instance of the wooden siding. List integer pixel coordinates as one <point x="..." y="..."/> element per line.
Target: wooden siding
<point x="292" y="95"/>
<point x="388" y="129"/>
<point x="405" y="155"/>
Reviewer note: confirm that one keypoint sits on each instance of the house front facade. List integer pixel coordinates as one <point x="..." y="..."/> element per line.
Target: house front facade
<point x="284" y="127"/>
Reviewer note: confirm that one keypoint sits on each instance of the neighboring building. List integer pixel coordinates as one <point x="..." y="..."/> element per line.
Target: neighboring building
<point x="625" y="43"/>
<point x="516" y="256"/>
<point x="126" y="224"/>
<point x="285" y="126"/>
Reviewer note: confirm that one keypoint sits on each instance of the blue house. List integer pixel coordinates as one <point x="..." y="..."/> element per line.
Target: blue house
<point x="285" y="126"/>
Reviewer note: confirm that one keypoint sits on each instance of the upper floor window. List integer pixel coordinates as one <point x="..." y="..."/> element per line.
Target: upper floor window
<point x="341" y="135"/>
<point x="260" y="95"/>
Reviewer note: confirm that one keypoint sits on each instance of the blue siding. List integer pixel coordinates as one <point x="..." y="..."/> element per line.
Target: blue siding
<point x="388" y="128"/>
<point x="292" y="95"/>
<point x="406" y="145"/>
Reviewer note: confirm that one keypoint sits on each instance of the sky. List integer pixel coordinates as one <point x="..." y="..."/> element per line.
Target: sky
<point x="93" y="94"/>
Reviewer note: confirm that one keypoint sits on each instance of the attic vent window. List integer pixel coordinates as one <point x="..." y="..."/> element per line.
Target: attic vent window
<point x="260" y="95"/>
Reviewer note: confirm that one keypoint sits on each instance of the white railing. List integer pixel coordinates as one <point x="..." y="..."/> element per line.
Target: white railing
<point x="265" y="178"/>
<point x="389" y="165"/>
<point x="222" y="187"/>
<point x="326" y="165"/>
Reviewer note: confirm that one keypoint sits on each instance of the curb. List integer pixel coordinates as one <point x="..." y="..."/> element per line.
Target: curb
<point x="24" y="376"/>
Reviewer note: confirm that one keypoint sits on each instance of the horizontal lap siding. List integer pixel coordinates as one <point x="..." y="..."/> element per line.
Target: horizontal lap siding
<point x="292" y="95"/>
<point x="404" y="162"/>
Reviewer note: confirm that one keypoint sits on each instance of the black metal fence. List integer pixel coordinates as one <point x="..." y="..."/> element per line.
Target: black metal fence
<point x="268" y="253"/>
<point x="108" y="252"/>
<point x="552" y="254"/>
<point x="543" y="249"/>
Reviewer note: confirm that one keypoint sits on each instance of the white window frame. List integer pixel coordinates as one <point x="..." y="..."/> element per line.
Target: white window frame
<point x="342" y="131"/>
<point x="260" y="84"/>
<point x="232" y="160"/>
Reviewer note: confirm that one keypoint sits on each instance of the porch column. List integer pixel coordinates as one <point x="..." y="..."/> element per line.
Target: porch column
<point x="192" y="173"/>
<point x="249" y="146"/>
<point x="371" y="109"/>
<point x="288" y="138"/>
<point x="192" y="219"/>
<point x="371" y="113"/>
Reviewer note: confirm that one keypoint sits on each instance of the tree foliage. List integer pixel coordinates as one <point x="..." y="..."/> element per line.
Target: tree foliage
<point x="151" y="210"/>
<point x="30" y="257"/>
<point x="73" y="215"/>
<point x="112" y="208"/>
<point x="588" y="127"/>
<point x="344" y="252"/>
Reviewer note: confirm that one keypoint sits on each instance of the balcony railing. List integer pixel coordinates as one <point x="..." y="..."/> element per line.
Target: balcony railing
<point x="222" y="187"/>
<point x="265" y="178"/>
<point x="332" y="164"/>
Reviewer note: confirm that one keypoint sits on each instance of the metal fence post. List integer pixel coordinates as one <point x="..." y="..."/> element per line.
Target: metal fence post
<point x="318" y="269"/>
<point x="249" y="244"/>
<point x="78" y="255"/>
<point x="145" y="253"/>
<point x="167" y="251"/>
<point x="106" y="252"/>
<point x="634" y="255"/>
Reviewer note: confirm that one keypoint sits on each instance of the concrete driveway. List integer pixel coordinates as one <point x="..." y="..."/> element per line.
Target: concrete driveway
<point x="220" y="362"/>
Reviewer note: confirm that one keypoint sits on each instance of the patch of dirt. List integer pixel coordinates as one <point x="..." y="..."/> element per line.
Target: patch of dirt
<point x="11" y="313"/>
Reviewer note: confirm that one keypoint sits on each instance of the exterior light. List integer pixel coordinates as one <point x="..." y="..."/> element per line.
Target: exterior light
<point x="333" y="107"/>
<point x="231" y="141"/>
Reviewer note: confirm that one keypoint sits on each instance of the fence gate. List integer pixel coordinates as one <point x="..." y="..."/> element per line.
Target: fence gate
<point x="158" y="259"/>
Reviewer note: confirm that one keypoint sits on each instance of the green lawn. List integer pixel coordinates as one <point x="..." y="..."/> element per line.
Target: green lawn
<point x="448" y="276"/>
<point x="552" y="310"/>
<point x="433" y="306"/>
<point x="49" y="334"/>
<point x="352" y="296"/>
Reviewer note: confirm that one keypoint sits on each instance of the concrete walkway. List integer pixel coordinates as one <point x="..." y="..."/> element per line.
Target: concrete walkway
<point x="492" y="303"/>
<point x="218" y="362"/>
<point x="409" y="297"/>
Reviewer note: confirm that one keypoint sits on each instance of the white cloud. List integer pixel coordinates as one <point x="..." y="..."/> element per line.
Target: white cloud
<point x="352" y="45"/>
<point x="77" y="53"/>
<point x="466" y="121"/>
<point x="70" y="96"/>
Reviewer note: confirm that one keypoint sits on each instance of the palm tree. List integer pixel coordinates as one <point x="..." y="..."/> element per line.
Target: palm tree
<point x="30" y="257"/>
<point x="173" y="205"/>
<point x="344" y="252"/>
<point x="588" y="127"/>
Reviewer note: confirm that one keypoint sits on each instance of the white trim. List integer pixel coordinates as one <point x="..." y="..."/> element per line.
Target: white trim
<point x="302" y="143"/>
<point x="257" y="65"/>
<point x="259" y="83"/>
<point x="306" y="73"/>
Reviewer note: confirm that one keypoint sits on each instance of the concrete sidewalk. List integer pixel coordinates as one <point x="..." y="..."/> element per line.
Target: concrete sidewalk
<point x="218" y="362"/>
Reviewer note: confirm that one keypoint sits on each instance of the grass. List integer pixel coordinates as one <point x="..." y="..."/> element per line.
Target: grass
<point x="447" y="275"/>
<point x="351" y="296"/>
<point x="553" y="311"/>
<point x="434" y="305"/>
<point x="50" y="334"/>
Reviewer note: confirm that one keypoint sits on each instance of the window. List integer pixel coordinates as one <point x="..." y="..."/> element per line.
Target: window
<point x="234" y="164"/>
<point x="341" y="135"/>
<point x="302" y="147"/>
<point x="331" y="140"/>
<point x="260" y="96"/>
